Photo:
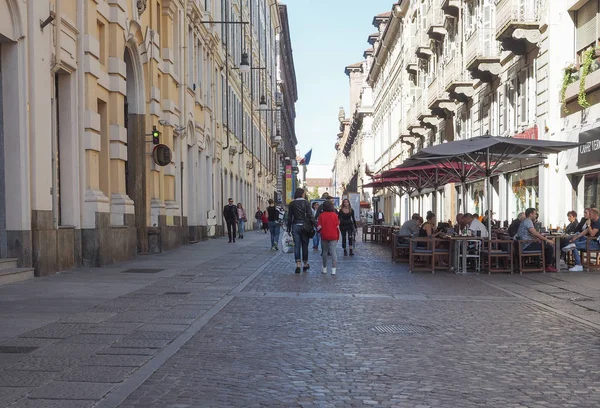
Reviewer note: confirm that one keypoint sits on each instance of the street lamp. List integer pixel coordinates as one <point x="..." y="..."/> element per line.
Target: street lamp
<point x="244" y="64"/>
<point x="263" y="103"/>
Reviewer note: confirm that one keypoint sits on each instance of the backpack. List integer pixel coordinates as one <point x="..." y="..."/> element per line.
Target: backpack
<point x="258" y="215"/>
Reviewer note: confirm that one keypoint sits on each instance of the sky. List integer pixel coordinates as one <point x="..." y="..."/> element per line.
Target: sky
<point x="326" y="35"/>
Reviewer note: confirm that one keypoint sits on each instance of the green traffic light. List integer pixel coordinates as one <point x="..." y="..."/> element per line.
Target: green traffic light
<point x="155" y="135"/>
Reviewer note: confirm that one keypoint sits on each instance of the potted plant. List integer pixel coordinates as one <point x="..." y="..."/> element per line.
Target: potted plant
<point x="586" y="67"/>
<point x="570" y="74"/>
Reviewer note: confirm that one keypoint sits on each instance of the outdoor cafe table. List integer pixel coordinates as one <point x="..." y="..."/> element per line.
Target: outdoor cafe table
<point x="461" y="254"/>
<point x="557" y="247"/>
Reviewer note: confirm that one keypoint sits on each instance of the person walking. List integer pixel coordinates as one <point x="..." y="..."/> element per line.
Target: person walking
<point x="347" y="225"/>
<point x="317" y="238"/>
<point x="265" y="221"/>
<point x="258" y="217"/>
<point x="328" y="226"/>
<point x="273" y="216"/>
<point x="230" y="214"/>
<point x="241" y="220"/>
<point x="300" y="224"/>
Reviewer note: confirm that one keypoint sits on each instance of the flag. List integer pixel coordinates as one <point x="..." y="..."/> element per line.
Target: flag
<point x="306" y="159"/>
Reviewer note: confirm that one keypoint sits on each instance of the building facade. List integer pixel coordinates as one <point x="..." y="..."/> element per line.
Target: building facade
<point x="82" y="99"/>
<point x="444" y="70"/>
<point x="288" y="95"/>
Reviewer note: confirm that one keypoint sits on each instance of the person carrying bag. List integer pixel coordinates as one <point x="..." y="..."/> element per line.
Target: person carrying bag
<point x="301" y="224"/>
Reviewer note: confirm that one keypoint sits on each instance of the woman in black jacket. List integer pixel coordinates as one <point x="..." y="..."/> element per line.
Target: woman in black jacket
<point x="300" y="213"/>
<point x="347" y="225"/>
<point x="585" y="221"/>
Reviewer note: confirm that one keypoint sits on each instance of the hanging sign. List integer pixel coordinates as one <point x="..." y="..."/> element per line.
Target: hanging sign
<point x="161" y="155"/>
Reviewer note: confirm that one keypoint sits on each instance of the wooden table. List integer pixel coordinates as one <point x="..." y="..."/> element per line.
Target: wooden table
<point x="460" y="257"/>
<point x="557" y="247"/>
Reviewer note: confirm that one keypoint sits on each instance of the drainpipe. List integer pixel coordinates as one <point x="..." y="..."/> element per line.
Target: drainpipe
<point x="185" y="105"/>
<point x="54" y="114"/>
<point x="81" y="102"/>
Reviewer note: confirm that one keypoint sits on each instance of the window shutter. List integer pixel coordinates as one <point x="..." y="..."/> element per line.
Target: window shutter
<point x="586" y="24"/>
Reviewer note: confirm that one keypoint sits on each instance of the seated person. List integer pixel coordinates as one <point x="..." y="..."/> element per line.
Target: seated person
<point x="475" y="225"/>
<point x="573" y="224"/>
<point x="484" y="219"/>
<point x="579" y="242"/>
<point x="514" y="226"/>
<point x="584" y="223"/>
<point x="428" y="230"/>
<point x="527" y="232"/>
<point x="458" y="226"/>
<point x="410" y="228"/>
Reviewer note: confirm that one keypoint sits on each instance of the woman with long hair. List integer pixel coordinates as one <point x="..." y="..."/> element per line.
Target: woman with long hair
<point x="241" y="219"/>
<point x="301" y="223"/>
<point x="347" y="225"/>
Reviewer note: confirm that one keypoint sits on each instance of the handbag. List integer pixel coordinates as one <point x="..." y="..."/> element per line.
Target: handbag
<point x="307" y="227"/>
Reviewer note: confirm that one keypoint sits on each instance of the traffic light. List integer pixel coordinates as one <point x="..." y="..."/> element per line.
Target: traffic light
<point x="155" y="135"/>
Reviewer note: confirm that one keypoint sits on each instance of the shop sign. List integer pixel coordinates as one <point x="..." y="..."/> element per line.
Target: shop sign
<point x="589" y="150"/>
<point x="288" y="183"/>
<point x="161" y="155"/>
<point x="529" y="134"/>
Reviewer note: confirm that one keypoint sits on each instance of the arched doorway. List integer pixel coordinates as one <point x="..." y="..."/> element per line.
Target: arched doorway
<point x="135" y="166"/>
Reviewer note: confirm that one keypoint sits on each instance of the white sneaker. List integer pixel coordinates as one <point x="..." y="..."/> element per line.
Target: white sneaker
<point x="324" y="269"/>
<point x="576" y="268"/>
<point x="569" y="247"/>
<point x="333" y="270"/>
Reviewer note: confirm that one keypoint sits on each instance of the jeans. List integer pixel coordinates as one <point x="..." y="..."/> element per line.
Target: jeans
<point x="241" y="224"/>
<point x="350" y="233"/>
<point x="580" y="246"/>
<point x="300" y="243"/>
<point x="327" y="245"/>
<point x="316" y="239"/>
<point x="258" y="224"/>
<point x="275" y="229"/>
<point x="231" y="226"/>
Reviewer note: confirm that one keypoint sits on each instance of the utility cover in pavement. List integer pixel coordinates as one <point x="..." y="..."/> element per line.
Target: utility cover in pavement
<point x="142" y="270"/>
<point x="402" y="329"/>
<point x="16" y="349"/>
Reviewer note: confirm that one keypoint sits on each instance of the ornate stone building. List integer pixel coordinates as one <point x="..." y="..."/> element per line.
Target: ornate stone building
<point x="81" y="98"/>
<point x="443" y="70"/>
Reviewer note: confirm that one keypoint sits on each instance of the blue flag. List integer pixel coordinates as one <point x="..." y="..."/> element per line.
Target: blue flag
<point x="306" y="159"/>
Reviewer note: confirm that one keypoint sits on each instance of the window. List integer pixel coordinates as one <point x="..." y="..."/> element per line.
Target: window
<point x="191" y="51"/>
<point x="591" y="191"/>
<point x="586" y="22"/>
<point x="176" y="45"/>
<point x="200" y="70"/>
<point x="102" y="43"/>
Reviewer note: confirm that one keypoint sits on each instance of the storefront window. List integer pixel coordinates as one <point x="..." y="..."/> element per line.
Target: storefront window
<point x="524" y="191"/>
<point x="592" y="193"/>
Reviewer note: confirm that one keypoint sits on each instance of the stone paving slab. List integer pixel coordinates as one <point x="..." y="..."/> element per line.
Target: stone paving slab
<point x="53" y="403"/>
<point x="231" y="325"/>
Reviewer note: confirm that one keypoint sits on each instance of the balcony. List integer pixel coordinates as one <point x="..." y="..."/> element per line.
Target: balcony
<point x="483" y="55"/>
<point x="436" y="30"/>
<point x="424" y="50"/>
<point x="412" y="68"/>
<point x="451" y="7"/>
<point x="518" y="25"/>
<point x="457" y="81"/>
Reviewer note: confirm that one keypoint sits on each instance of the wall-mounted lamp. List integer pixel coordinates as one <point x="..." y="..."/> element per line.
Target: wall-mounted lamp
<point x="47" y="21"/>
<point x="263" y="103"/>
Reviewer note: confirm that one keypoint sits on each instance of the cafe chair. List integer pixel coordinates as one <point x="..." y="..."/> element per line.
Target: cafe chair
<point x="529" y="259"/>
<point x="368" y="232"/>
<point x="497" y="255"/>
<point x="400" y="248"/>
<point x="590" y="258"/>
<point x="423" y="257"/>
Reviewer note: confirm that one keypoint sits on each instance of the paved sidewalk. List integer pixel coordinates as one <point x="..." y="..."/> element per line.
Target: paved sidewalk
<point x="224" y="325"/>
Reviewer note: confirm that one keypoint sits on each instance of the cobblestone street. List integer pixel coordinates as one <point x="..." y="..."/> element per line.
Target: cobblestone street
<point x="219" y="325"/>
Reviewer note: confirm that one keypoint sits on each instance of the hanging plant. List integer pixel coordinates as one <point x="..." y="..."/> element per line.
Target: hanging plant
<point x="568" y="78"/>
<point x="586" y="64"/>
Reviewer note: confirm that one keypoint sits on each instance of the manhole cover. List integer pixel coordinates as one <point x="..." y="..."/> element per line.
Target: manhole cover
<point x="401" y="329"/>
<point x="142" y="270"/>
<point x="16" y="349"/>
